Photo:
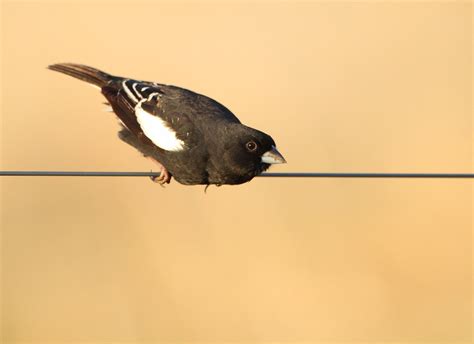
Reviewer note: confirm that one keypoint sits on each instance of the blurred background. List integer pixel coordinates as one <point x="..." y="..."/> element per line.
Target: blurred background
<point x="341" y="87"/>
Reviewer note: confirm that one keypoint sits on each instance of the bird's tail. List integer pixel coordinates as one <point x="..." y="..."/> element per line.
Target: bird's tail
<point x="82" y="72"/>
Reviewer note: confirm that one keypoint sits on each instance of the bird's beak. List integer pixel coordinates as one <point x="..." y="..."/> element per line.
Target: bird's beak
<point x="273" y="157"/>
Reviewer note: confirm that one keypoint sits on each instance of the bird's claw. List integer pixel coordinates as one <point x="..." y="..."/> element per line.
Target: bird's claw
<point x="163" y="178"/>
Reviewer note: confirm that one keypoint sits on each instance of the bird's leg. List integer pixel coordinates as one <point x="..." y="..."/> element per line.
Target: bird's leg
<point x="164" y="177"/>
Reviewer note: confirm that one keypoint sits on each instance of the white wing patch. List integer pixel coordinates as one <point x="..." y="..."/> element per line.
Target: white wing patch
<point x="127" y="90"/>
<point x="134" y="86"/>
<point x="157" y="130"/>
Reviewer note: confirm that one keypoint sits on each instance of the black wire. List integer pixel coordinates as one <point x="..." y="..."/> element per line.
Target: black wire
<point x="268" y="174"/>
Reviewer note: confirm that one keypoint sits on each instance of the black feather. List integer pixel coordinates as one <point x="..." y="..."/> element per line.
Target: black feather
<point x="82" y="72"/>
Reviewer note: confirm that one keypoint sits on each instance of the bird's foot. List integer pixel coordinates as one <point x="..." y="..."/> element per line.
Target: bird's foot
<point x="163" y="178"/>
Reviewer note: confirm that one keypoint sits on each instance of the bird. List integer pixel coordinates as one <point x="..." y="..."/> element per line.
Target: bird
<point x="193" y="138"/>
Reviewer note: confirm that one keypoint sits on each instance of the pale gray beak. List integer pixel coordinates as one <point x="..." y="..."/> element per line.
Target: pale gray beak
<point x="273" y="157"/>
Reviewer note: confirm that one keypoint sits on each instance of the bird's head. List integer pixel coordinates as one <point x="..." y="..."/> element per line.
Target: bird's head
<point x="251" y="151"/>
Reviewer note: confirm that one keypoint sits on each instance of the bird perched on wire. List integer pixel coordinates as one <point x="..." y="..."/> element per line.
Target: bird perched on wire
<point x="193" y="138"/>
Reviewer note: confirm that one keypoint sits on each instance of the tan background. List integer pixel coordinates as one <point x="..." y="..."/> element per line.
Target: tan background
<point x="340" y="86"/>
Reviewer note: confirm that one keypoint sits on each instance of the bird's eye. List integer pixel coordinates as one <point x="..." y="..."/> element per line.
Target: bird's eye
<point x="251" y="146"/>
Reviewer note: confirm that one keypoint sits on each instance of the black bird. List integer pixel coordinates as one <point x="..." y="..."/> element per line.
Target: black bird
<point x="192" y="137"/>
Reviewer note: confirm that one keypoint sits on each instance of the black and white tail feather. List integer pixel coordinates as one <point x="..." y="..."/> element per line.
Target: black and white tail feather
<point x="135" y="103"/>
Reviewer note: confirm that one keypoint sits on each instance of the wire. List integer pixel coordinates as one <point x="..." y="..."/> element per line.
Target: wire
<point x="268" y="174"/>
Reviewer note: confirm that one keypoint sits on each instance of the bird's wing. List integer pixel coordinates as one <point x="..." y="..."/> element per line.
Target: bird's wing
<point x="141" y="106"/>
